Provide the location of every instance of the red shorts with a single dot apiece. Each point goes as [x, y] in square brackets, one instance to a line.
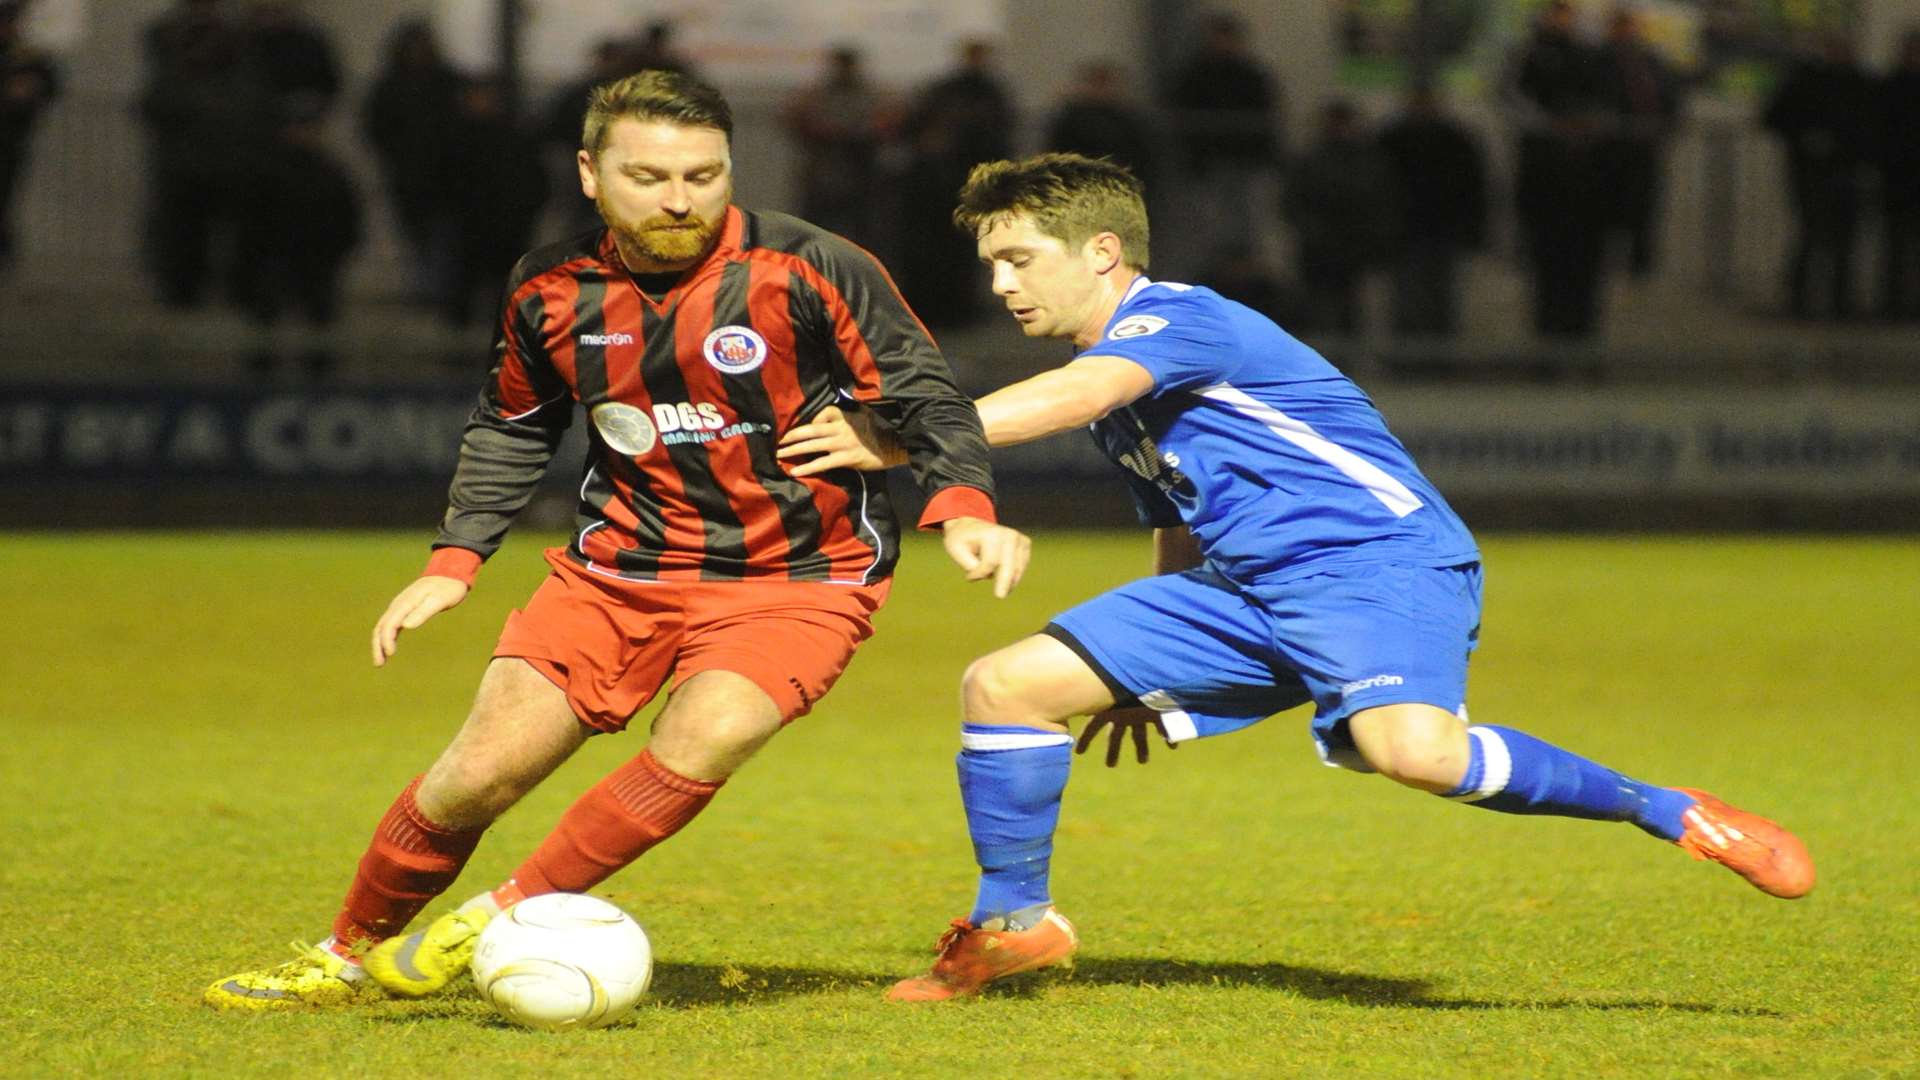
[611, 643]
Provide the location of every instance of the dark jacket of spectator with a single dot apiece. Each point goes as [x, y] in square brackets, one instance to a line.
[195, 106]
[1226, 104]
[408, 118]
[28, 82]
[1559, 95]
[299, 218]
[1440, 178]
[1340, 201]
[290, 64]
[1096, 120]
[1899, 135]
[1440, 191]
[499, 185]
[1899, 161]
[1824, 111]
[840, 125]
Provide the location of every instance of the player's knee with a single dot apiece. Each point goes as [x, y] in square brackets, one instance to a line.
[1424, 749]
[469, 793]
[990, 692]
[711, 745]
[736, 734]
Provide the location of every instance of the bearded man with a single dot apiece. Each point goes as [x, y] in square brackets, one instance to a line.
[694, 335]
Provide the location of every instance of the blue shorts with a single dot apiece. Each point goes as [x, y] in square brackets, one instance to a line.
[1212, 657]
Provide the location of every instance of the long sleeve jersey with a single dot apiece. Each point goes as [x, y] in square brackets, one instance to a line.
[687, 397]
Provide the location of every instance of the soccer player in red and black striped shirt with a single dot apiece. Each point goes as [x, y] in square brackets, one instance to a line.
[693, 334]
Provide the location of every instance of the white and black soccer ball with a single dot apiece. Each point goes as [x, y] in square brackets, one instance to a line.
[562, 961]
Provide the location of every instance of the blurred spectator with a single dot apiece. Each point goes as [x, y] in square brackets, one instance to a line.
[1440, 189]
[1238, 273]
[406, 119]
[1645, 99]
[1823, 110]
[498, 186]
[1900, 179]
[1557, 91]
[959, 121]
[194, 108]
[1339, 200]
[1226, 103]
[1097, 119]
[289, 64]
[299, 219]
[654, 50]
[969, 108]
[27, 83]
[613, 59]
[840, 124]
[1225, 113]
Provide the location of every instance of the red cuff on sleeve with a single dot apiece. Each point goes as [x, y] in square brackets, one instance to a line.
[956, 502]
[454, 562]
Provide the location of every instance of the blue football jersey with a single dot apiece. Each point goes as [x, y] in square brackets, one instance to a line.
[1279, 464]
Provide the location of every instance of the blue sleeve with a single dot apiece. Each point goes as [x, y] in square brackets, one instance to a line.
[1184, 341]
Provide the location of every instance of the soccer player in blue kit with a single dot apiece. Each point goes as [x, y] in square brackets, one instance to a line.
[1300, 556]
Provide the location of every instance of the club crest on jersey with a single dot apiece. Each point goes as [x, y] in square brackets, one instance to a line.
[735, 350]
[625, 428]
[1136, 326]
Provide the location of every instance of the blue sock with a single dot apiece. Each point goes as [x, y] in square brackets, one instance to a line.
[1515, 773]
[1011, 780]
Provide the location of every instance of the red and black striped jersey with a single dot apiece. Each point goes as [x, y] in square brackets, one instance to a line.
[687, 396]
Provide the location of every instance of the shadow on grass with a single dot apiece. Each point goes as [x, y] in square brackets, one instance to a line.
[675, 986]
[1357, 989]
[682, 986]
[697, 986]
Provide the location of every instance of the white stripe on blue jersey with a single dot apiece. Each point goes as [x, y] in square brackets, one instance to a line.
[1392, 493]
[1279, 464]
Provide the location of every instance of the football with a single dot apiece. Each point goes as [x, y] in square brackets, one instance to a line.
[563, 961]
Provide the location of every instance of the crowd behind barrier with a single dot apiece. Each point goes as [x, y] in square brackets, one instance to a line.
[246, 185]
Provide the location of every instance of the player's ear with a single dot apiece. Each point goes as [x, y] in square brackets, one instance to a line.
[1105, 250]
[589, 181]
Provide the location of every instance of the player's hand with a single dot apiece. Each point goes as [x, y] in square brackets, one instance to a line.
[985, 550]
[426, 597]
[1132, 722]
[841, 440]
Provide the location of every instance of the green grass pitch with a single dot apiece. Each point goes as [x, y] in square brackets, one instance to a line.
[194, 748]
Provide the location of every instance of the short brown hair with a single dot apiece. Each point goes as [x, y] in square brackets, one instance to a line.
[1067, 196]
[653, 95]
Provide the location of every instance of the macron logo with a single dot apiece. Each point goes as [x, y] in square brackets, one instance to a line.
[606, 339]
[1358, 685]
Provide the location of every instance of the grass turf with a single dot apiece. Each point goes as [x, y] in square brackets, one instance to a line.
[193, 749]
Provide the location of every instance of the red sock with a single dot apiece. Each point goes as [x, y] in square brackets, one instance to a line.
[410, 861]
[633, 808]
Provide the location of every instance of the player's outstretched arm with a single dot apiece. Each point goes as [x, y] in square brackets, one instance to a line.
[986, 550]
[838, 439]
[1053, 401]
[1062, 399]
[1121, 724]
[422, 600]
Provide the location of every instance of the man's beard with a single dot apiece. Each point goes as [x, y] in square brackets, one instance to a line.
[662, 239]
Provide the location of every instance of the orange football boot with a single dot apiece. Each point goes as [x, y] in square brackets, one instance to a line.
[971, 957]
[1772, 859]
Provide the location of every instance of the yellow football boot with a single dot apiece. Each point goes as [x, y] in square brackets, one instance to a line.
[316, 977]
[427, 960]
